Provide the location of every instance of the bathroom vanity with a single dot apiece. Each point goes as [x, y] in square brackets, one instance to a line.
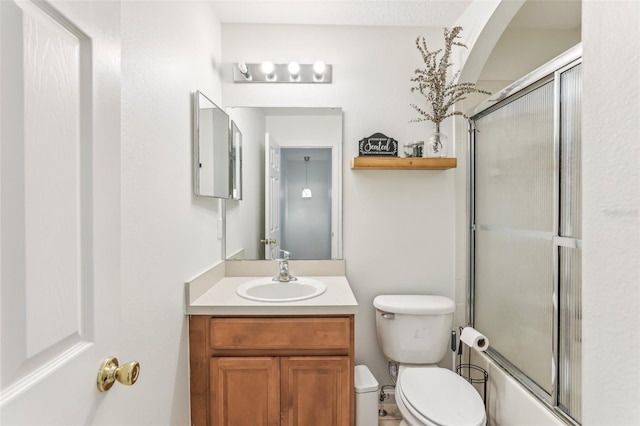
[264, 363]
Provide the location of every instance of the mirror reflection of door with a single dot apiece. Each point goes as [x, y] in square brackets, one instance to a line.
[272, 157]
[305, 202]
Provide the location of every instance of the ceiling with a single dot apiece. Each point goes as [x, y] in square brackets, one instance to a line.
[545, 14]
[430, 13]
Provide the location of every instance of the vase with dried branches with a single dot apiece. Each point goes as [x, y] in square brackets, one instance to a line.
[439, 92]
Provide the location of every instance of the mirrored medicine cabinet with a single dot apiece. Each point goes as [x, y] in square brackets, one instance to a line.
[217, 151]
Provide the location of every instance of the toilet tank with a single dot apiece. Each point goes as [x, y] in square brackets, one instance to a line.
[414, 329]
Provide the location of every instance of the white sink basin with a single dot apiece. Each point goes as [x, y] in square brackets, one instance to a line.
[267, 290]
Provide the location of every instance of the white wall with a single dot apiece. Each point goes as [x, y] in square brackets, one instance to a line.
[169, 49]
[521, 50]
[398, 225]
[306, 130]
[611, 206]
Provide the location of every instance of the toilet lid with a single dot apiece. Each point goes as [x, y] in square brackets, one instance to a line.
[442, 397]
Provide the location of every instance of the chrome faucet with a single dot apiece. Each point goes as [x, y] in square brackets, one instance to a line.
[283, 275]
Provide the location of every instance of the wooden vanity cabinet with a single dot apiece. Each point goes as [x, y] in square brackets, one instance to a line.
[272, 371]
[244, 391]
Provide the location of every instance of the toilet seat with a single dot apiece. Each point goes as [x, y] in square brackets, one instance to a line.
[441, 397]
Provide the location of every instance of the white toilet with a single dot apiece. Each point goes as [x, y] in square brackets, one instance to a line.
[414, 331]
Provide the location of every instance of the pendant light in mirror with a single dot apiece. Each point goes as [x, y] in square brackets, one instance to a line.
[306, 191]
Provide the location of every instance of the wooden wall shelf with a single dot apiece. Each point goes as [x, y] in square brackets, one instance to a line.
[396, 163]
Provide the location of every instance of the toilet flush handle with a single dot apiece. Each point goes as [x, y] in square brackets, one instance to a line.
[387, 315]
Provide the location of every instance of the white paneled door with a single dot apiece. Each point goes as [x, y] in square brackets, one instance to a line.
[59, 210]
[272, 197]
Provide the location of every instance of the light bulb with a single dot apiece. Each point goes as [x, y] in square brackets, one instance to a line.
[318, 70]
[244, 70]
[268, 69]
[294, 70]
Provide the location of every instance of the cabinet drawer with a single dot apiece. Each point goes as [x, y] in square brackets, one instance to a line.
[324, 335]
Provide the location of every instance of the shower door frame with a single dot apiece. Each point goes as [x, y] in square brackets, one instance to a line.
[549, 72]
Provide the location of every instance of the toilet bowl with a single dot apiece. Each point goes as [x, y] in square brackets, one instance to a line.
[414, 331]
[433, 396]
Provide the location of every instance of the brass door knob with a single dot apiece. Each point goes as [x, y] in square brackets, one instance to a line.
[110, 372]
[267, 241]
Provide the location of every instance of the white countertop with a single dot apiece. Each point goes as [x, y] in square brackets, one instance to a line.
[221, 299]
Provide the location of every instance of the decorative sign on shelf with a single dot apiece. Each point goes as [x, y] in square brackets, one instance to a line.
[378, 145]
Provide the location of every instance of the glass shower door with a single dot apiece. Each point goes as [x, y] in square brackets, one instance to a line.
[514, 204]
[527, 235]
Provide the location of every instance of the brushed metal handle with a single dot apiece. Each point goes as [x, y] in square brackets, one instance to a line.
[387, 315]
[109, 372]
[268, 241]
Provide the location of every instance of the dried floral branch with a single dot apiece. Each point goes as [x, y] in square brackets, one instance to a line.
[431, 81]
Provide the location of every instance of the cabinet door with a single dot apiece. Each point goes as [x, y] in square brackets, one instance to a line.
[244, 391]
[315, 391]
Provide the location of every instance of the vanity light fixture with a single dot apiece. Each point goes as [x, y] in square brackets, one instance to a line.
[293, 72]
